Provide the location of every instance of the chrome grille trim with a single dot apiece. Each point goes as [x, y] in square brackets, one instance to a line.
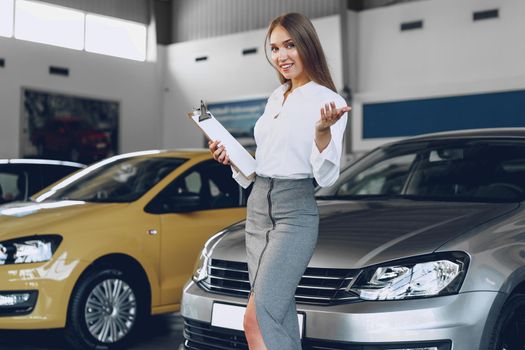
[210, 288]
[321, 286]
[227, 279]
[222, 268]
[329, 278]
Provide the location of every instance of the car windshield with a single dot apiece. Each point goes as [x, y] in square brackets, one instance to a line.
[468, 170]
[119, 180]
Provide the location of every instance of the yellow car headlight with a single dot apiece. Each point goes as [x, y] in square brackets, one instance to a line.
[28, 250]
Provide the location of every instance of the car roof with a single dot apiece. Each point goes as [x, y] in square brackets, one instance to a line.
[516, 133]
[42, 162]
[186, 153]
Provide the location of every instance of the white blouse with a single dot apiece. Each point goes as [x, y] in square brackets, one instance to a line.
[285, 134]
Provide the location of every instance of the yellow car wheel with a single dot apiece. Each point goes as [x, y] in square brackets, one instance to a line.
[106, 308]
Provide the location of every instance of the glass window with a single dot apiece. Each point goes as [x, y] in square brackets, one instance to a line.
[479, 170]
[206, 186]
[6, 17]
[13, 186]
[122, 180]
[49, 24]
[53, 173]
[448, 170]
[192, 183]
[116, 37]
[385, 177]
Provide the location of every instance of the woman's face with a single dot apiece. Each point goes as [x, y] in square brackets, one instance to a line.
[285, 57]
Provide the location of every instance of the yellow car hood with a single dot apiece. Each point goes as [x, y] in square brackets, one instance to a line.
[49, 217]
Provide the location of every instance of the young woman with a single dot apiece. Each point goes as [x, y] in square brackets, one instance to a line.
[299, 138]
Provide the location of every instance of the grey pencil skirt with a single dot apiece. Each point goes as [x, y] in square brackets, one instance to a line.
[281, 234]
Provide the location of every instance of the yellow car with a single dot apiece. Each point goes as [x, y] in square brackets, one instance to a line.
[113, 243]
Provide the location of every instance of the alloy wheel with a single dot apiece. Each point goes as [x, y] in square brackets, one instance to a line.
[111, 310]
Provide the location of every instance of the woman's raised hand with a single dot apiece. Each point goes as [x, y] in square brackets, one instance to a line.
[219, 152]
[330, 114]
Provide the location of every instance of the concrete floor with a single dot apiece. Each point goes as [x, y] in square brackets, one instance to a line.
[162, 332]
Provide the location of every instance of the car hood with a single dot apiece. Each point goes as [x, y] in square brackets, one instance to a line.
[354, 234]
[35, 218]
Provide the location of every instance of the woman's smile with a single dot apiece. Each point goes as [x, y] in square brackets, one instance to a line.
[286, 67]
[285, 57]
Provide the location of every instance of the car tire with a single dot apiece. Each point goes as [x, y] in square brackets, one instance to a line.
[96, 320]
[505, 333]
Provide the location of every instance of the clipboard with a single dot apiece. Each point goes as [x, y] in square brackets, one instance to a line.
[214, 130]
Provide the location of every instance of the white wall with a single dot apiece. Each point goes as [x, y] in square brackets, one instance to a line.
[451, 55]
[136, 85]
[352, 40]
[227, 75]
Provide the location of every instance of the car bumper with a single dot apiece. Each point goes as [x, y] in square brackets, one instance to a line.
[52, 282]
[453, 322]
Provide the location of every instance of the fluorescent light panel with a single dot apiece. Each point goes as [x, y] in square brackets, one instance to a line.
[49, 24]
[6, 18]
[115, 37]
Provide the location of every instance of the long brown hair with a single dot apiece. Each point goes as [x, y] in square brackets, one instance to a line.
[308, 46]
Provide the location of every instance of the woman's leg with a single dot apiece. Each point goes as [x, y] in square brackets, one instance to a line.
[251, 327]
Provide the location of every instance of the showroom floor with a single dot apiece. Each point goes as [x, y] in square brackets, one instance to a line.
[163, 332]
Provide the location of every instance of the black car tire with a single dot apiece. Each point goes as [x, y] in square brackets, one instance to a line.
[507, 333]
[77, 333]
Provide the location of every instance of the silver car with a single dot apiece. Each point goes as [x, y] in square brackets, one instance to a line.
[421, 246]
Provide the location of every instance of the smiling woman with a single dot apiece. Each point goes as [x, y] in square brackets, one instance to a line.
[299, 139]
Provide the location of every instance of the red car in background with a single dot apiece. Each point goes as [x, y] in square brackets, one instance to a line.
[72, 138]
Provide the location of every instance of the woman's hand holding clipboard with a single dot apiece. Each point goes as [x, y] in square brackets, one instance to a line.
[235, 155]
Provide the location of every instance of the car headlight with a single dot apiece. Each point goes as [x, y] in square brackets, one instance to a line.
[200, 272]
[420, 277]
[29, 249]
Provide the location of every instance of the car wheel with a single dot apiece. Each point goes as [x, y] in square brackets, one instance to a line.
[508, 331]
[105, 309]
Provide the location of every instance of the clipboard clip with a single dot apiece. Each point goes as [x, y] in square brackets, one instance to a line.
[204, 112]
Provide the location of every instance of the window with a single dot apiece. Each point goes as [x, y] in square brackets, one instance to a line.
[61, 26]
[49, 24]
[115, 37]
[385, 177]
[119, 180]
[6, 17]
[53, 173]
[446, 170]
[206, 186]
[13, 186]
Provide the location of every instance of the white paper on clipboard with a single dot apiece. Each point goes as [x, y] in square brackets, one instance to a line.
[214, 130]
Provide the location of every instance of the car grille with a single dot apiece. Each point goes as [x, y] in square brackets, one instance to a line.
[317, 286]
[202, 336]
